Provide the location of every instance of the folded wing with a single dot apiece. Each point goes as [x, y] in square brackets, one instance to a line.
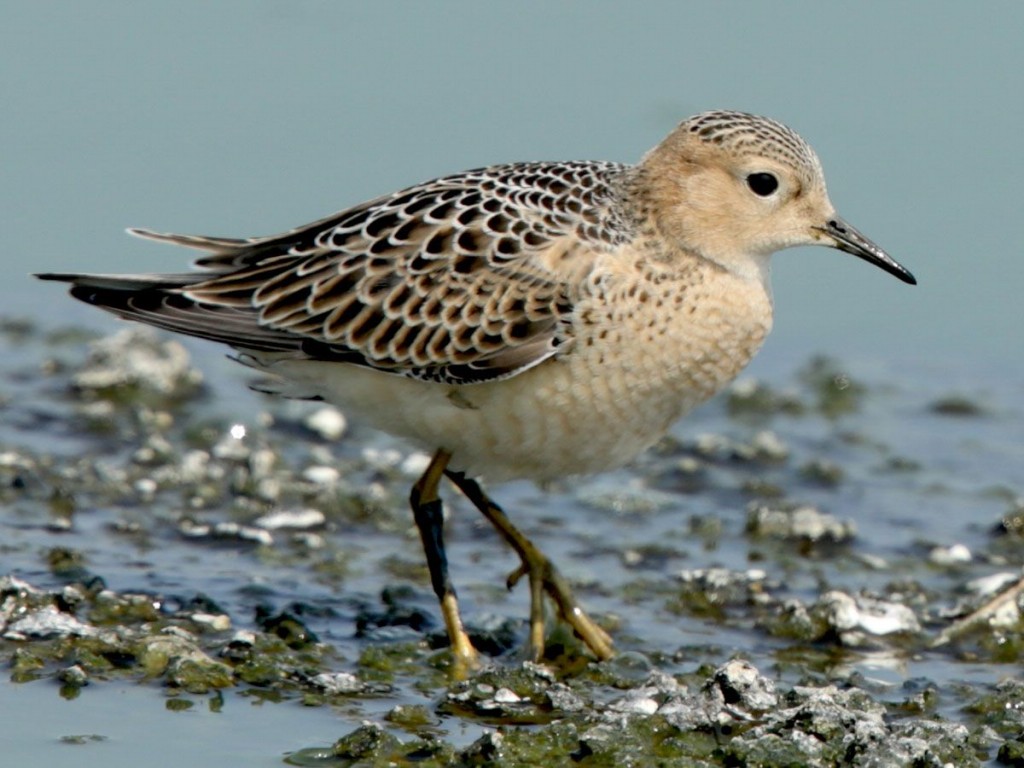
[462, 279]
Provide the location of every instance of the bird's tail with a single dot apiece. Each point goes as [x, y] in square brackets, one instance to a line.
[161, 300]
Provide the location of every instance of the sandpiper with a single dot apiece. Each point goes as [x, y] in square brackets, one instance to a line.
[529, 320]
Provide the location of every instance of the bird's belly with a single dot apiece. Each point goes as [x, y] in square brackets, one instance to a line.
[613, 394]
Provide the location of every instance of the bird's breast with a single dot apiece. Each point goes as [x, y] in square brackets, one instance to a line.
[644, 352]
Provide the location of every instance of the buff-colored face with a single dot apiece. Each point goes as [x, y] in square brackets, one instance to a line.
[735, 188]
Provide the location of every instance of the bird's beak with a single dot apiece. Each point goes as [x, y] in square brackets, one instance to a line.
[846, 238]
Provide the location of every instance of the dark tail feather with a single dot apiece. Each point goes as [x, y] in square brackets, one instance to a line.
[157, 300]
[129, 282]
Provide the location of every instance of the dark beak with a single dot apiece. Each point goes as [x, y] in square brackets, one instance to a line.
[846, 238]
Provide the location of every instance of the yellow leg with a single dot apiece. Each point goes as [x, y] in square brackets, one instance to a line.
[543, 577]
[429, 516]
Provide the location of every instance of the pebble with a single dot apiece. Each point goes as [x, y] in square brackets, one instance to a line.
[957, 554]
[796, 522]
[73, 675]
[506, 696]
[214, 622]
[295, 519]
[321, 475]
[338, 682]
[48, 622]
[415, 464]
[854, 617]
[137, 357]
[328, 422]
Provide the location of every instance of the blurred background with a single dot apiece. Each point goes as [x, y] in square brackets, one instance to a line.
[244, 118]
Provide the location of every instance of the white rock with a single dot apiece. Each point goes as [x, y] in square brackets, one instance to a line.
[297, 519]
[506, 696]
[328, 422]
[321, 475]
[956, 554]
[415, 464]
[215, 622]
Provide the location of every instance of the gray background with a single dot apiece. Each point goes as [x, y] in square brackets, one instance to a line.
[245, 118]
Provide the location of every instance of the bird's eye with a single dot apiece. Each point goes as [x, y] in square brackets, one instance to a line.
[762, 184]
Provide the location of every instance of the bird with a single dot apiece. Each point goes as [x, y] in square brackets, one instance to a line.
[533, 320]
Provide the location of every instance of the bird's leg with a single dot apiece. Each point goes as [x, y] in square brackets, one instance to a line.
[429, 516]
[543, 576]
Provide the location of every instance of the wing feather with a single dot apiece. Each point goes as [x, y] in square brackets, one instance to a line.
[463, 279]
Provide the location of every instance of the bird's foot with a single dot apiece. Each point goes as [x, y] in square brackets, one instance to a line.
[544, 577]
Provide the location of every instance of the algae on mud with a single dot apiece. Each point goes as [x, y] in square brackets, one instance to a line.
[797, 532]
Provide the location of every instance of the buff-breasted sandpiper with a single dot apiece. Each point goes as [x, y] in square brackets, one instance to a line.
[530, 320]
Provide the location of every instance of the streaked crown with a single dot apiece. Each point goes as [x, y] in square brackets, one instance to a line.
[744, 134]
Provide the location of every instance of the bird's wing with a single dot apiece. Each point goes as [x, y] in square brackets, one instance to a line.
[463, 279]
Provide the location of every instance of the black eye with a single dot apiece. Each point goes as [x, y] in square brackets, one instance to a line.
[762, 184]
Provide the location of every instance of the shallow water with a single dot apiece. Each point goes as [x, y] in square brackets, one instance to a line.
[907, 475]
[128, 724]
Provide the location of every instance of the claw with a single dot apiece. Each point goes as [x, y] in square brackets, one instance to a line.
[515, 576]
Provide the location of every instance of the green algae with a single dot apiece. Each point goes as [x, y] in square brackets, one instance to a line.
[957, 406]
[368, 648]
[835, 392]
